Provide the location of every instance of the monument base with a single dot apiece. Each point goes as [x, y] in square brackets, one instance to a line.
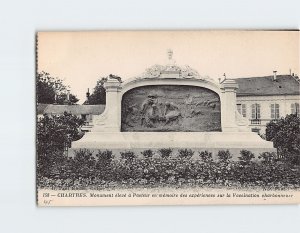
[198, 141]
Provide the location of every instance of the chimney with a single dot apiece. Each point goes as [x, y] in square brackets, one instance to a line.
[274, 75]
[55, 93]
[68, 96]
[88, 93]
[88, 96]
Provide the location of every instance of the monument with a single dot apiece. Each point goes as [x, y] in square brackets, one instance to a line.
[171, 106]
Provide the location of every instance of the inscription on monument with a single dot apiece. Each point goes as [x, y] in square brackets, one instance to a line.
[171, 108]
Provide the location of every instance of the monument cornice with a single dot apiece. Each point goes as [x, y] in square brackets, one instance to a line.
[112, 85]
[137, 82]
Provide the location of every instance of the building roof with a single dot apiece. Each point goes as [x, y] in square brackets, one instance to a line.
[73, 109]
[41, 108]
[262, 86]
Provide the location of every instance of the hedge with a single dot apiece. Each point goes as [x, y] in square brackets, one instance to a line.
[86, 171]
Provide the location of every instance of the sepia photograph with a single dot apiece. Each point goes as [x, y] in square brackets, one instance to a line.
[150, 116]
[167, 117]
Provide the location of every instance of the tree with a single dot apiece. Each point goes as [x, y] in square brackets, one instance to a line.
[54, 134]
[62, 99]
[285, 134]
[46, 88]
[99, 94]
[57, 131]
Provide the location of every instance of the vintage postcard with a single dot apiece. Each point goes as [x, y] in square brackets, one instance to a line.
[167, 118]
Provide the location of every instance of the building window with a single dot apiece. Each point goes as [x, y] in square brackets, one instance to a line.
[275, 111]
[295, 108]
[255, 111]
[242, 109]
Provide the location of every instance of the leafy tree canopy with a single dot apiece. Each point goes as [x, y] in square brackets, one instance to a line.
[285, 133]
[47, 86]
[56, 131]
[99, 94]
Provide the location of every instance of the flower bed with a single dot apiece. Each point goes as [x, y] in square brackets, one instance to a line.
[103, 171]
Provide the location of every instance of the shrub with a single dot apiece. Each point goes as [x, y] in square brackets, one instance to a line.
[246, 157]
[104, 157]
[293, 159]
[47, 163]
[82, 155]
[84, 163]
[206, 156]
[224, 156]
[165, 152]
[147, 153]
[128, 155]
[56, 132]
[185, 153]
[102, 171]
[267, 157]
[285, 134]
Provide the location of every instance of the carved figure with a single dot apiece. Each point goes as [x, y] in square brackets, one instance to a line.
[149, 109]
[111, 76]
[196, 112]
[188, 101]
[171, 112]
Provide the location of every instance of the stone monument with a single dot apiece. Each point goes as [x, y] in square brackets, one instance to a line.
[171, 106]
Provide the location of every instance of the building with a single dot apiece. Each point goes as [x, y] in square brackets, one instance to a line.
[262, 99]
[84, 112]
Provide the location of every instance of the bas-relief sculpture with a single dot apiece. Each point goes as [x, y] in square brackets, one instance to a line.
[170, 108]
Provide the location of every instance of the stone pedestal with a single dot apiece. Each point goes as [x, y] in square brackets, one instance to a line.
[142, 140]
[110, 120]
[228, 108]
[198, 141]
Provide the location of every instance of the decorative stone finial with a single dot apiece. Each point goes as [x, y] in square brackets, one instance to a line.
[171, 63]
[170, 70]
[170, 54]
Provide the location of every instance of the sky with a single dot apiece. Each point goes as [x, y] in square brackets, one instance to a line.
[81, 58]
